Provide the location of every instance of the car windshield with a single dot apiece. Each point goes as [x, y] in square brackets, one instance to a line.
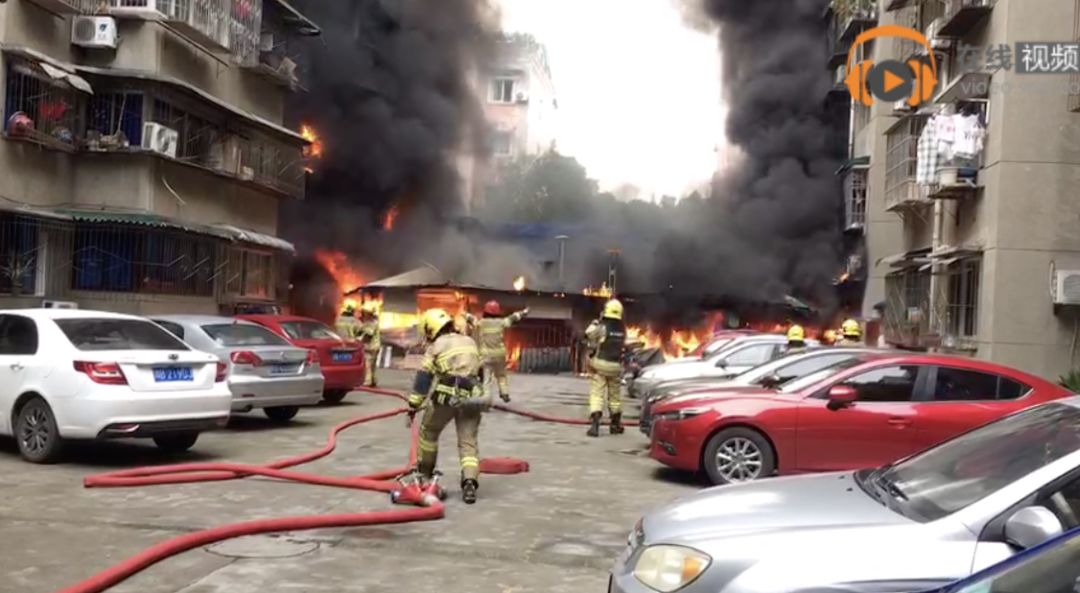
[243, 334]
[813, 378]
[713, 347]
[791, 367]
[1053, 570]
[964, 470]
[92, 334]
[308, 330]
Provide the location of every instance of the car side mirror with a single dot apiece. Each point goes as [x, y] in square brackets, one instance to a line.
[771, 381]
[721, 364]
[1031, 526]
[841, 396]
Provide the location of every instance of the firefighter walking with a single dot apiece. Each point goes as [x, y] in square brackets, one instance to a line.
[450, 377]
[850, 334]
[607, 340]
[490, 334]
[369, 335]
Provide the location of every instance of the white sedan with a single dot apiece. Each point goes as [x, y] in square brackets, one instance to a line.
[71, 374]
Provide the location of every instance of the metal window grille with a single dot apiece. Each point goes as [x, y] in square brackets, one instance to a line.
[963, 299]
[855, 198]
[21, 255]
[48, 108]
[117, 258]
[114, 120]
[198, 136]
[272, 163]
[918, 17]
[250, 274]
[245, 30]
[907, 317]
[901, 161]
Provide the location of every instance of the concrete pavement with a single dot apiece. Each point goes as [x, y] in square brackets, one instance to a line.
[556, 528]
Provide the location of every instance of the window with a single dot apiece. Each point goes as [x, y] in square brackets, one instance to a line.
[243, 334]
[18, 336]
[855, 197]
[809, 365]
[19, 254]
[901, 160]
[963, 303]
[954, 384]
[198, 135]
[114, 121]
[502, 143]
[749, 356]
[308, 330]
[153, 261]
[889, 384]
[1055, 570]
[251, 274]
[502, 90]
[47, 107]
[96, 334]
[174, 328]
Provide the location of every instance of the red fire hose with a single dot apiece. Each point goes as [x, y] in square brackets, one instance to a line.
[209, 472]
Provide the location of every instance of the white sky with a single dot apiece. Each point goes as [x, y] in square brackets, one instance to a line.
[639, 92]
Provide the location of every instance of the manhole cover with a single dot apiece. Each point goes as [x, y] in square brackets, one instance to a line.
[262, 546]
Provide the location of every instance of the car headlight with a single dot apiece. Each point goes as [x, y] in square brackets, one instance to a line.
[670, 568]
[681, 414]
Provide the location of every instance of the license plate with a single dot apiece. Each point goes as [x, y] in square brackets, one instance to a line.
[343, 357]
[173, 374]
[282, 369]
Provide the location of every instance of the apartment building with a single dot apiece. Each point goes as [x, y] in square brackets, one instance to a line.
[143, 155]
[521, 107]
[983, 263]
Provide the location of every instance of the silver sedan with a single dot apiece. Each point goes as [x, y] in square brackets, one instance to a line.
[265, 371]
[925, 521]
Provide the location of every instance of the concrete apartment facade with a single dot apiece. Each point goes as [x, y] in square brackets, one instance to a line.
[520, 105]
[980, 270]
[147, 177]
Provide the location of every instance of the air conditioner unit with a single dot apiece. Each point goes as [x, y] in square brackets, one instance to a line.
[145, 9]
[1067, 287]
[59, 305]
[522, 98]
[160, 139]
[95, 32]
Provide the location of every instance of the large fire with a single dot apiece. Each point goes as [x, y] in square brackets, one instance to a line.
[390, 217]
[513, 356]
[314, 150]
[519, 283]
[678, 343]
[603, 291]
[337, 263]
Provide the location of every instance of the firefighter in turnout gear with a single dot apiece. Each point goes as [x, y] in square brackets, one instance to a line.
[796, 339]
[607, 342]
[850, 334]
[450, 376]
[490, 335]
[369, 336]
[346, 325]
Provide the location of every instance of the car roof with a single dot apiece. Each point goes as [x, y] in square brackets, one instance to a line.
[200, 319]
[276, 318]
[889, 357]
[68, 314]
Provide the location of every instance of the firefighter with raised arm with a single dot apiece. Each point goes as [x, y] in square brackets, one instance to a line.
[490, 333]
[450, 376]
[369, 335]
[607, 341]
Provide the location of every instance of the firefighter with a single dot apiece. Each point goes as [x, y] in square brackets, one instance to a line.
[450, 374]
[490, 331]
[346, 324]
[796, 339]
[368, 335]
[850, 334]
[607, 341]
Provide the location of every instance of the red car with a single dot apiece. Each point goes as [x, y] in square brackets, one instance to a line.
[863, 412]
[341, 360]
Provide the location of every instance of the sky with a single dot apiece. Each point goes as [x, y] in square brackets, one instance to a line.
[639, 92]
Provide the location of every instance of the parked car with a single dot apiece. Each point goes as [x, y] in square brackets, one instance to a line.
[771, 375]
[73, 374]
[651, 357]
[341, 360]
[265, 371]
[934, 517]
[867, 411]
[740, 354]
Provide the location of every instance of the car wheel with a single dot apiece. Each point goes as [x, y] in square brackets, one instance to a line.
[334, 396]
[282, 413]
[38, 438]
[176, 443]
[736, 455]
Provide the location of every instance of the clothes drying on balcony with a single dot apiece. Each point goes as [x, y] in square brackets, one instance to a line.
[949, 140]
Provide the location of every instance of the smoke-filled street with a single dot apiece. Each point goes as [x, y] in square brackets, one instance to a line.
[556, 528]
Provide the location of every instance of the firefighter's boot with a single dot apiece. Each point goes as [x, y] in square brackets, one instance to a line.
[468, 491]
[616, 424]
[594, 428]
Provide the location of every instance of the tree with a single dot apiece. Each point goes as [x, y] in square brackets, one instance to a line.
[547, 188]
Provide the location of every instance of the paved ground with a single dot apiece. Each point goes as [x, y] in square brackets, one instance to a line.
[555, 529]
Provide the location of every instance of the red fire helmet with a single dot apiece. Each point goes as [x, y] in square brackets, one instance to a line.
[492, 308]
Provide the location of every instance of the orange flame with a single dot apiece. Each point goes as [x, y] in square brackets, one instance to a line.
[603, 291]
[519, 283]
[337, 263]
[390, 217]
[513, 356]
[314, 150]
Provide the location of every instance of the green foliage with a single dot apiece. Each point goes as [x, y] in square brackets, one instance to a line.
[1071, 381]
[548, 188]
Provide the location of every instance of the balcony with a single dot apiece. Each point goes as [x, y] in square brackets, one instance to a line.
[64, 7]
[902, 193]
[219, 26]
[961, 16]
[852, 17]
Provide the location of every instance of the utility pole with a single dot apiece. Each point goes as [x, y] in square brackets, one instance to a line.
[613, 270]
[562, 261]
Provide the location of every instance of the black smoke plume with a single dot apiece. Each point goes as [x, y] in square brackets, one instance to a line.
[772, 226]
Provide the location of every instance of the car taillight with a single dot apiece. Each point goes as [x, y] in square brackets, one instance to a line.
[245, 357]
[312, 357]
[222, 373]
[104, 373]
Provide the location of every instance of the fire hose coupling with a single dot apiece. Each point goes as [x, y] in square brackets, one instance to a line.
[415, 492]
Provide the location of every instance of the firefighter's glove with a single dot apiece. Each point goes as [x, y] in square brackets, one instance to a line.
[525, 312]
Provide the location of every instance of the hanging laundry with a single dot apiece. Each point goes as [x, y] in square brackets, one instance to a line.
[970, 133]
[927, 155]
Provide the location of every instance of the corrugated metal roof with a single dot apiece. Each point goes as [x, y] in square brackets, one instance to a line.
[147, 219]
[246, 236]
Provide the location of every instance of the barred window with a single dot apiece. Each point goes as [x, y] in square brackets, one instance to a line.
[115, 120]
[38, 108]
[119, 259]
[20, 254]
[963, 302]
[250, 274]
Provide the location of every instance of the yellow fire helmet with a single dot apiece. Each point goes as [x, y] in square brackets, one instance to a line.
[851, 329]
[613, 309]
[433, 321]
[348, 309]
[796, 334]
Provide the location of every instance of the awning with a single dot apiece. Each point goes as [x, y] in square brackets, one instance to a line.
[294, 18]
[950, 255]
[861, 162]
[190, 88]
[905, 260]
[54, 69]
[20, 209]
[246, 236]
[146, 219]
